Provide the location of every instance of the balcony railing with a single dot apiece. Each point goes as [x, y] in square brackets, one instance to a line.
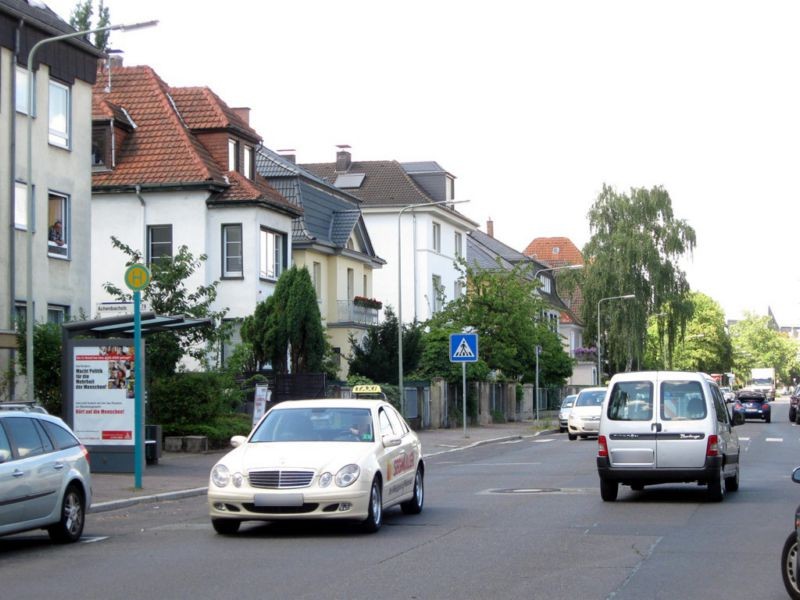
[351, 313]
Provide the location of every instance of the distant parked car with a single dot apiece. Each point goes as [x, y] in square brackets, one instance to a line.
[752, 404]
[728, 394]
[45, 481]
[563, 414]
[794, 400]
[584, 418]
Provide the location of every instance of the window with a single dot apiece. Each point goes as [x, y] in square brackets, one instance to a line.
[100, 135]
[20, 205]
[235, 339]
[437, 237]
[458, 289]
[272, 254]
[386, 426]
[364, 286]
[159, 242]
[316, 276]
[631, 401]
[59, 435]
[5, 447]
[351, 290]
[545, 283]
[248, 162]
[233, 155]
[20, 312]
[22, 90]
[58, 225]
[457, 243]
[59, 115]
[449, 188]
[232, 251]
[438, 293]
[682, 400]
[57, 314]
[26, 436]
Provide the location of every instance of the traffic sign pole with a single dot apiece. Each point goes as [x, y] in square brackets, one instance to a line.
[464, 349]
[464, 395]
[137, 277]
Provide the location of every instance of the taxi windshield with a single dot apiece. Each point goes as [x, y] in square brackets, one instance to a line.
[316, 425]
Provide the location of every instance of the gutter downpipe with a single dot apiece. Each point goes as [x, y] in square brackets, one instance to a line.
[12, 190]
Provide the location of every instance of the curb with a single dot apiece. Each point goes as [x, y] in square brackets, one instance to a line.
[127, 502]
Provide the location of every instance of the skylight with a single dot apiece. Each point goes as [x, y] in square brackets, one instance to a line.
[349, 180]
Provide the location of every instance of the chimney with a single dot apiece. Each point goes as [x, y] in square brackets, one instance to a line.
[116, 60]
[343, 158]
[289, 154]
[243, 112]
[490, 228]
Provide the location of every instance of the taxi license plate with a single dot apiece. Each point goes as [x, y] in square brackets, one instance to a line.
[278, 499]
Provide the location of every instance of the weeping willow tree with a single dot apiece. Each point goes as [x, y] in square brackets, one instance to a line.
[635, 248]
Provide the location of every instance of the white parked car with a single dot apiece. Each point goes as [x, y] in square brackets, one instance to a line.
[584, 418]
[563, 413]
[319, 459]
[45, 482]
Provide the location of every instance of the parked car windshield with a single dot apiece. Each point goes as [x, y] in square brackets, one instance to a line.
[316, 425]
[590, 398]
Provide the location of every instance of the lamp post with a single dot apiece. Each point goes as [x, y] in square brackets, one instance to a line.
[599, 349]
[410, 208]
[562, 267]
[29, 314]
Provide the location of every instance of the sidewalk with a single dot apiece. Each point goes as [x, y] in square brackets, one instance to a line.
[181, 475]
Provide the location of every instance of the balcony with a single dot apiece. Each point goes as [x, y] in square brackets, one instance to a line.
[350, 312]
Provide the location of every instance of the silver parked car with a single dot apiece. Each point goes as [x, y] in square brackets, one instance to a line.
[563, 414]
[45, 481]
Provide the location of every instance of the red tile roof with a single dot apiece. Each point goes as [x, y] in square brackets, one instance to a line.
[555, 251]
[162, 149]
[201, 108]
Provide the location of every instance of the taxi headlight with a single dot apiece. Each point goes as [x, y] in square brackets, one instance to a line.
[347, 475]
[325, 479]
[220, 475]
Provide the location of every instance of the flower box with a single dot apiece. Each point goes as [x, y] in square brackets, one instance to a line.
[367, 302]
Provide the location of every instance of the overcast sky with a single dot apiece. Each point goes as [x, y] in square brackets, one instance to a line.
[531, 105]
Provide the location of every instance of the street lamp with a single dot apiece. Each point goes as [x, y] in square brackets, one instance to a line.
[599, 349]
[29, 315]
[410, 208]
[562, 267]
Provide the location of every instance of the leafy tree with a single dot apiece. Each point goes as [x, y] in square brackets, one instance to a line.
[635, 248]
[81, 20]
[705, 345]
[756, 344]
[503, 307]
[46, 363]
[167, 295]
[375, 356]
[288, 324]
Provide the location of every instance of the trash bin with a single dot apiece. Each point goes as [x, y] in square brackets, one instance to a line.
[152, 444]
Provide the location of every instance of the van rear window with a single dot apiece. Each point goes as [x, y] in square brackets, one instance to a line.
[682, 401]
[631, 401]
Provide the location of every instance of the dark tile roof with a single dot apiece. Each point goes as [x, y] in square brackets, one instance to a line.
[386, 182]
[43, 16]
[486, 252]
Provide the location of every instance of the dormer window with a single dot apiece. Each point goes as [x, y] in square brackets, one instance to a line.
[233, 155]
[248, 162]
[100, 146]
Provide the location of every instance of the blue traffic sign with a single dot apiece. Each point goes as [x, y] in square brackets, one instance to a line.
[463, 347]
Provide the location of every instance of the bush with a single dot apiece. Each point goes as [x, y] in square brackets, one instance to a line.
[192, 398]
[219, 432]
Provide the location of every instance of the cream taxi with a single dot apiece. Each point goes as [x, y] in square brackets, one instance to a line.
[319, 459]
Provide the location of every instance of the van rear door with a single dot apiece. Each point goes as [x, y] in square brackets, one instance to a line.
[630, 431]
[685, 421]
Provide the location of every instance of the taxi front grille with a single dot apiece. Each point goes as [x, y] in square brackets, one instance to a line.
[278, 479]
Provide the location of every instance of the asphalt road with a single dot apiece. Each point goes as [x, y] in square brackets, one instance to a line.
[512, 520]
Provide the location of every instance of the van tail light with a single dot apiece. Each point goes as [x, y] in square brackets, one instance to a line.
[712, 449]
[86, 454]
[602, 446]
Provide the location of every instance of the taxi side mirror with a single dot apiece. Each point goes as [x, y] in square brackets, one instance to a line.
[389, 441]
[238, 440]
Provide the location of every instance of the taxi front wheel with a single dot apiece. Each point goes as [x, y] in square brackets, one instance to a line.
[374, 518]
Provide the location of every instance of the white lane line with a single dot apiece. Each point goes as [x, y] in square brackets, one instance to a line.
[744, 439]
[519, 464]
[773, 440]
[512, 442]
[91, 540]
[543, 441]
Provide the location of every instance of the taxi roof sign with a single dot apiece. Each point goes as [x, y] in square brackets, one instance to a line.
[368, 390]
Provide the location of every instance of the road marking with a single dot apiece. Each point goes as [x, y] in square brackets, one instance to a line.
[516, 464]
[543, 441]
[91, 540]
[511, 442]
[773, 440]
[744, 439]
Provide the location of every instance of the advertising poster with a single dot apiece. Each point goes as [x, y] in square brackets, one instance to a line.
[260, 404]
[103, 396]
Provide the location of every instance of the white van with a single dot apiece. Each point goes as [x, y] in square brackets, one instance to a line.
[666, 427]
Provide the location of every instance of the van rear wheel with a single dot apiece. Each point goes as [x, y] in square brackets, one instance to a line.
[715, 487]
[608, 489]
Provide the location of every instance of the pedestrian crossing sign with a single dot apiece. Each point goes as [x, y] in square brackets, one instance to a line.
[463, 347]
